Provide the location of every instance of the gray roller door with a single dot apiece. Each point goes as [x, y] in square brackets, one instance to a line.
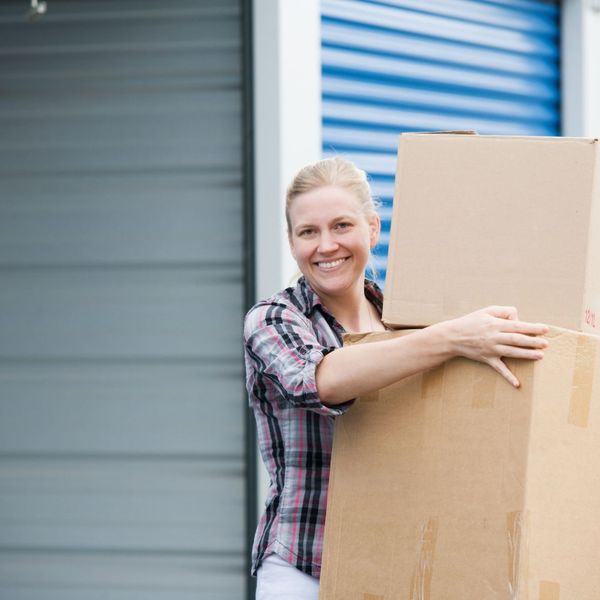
[122, 411]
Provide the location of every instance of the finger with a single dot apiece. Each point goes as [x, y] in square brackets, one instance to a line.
[503, 312]
[522, 340]
[500, 367]
[525, 327]
[516, 352]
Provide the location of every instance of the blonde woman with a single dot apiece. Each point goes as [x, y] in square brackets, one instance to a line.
[299, 378]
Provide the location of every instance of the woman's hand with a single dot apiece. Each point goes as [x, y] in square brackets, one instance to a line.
[489, 334]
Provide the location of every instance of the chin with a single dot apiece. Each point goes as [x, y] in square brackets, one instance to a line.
[332, 288]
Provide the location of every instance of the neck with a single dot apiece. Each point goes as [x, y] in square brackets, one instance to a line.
[352, 309]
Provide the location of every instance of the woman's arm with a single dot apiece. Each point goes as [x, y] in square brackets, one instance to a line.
[486, 336]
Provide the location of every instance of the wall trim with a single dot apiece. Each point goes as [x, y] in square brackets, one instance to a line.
[287, 126]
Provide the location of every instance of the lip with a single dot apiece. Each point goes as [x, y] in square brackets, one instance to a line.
[320, 263]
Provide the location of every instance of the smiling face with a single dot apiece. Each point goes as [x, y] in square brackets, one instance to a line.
[330, 239]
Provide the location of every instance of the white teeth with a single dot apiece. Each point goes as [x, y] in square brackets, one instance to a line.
[333, 263]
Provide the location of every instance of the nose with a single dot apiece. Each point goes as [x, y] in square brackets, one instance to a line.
[327, 243]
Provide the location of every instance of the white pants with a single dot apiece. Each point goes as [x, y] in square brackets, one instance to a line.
[278, 580]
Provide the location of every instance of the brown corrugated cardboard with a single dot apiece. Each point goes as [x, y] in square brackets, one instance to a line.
[482, 220]
[453, 485]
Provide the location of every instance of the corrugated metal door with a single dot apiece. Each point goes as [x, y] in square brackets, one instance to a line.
[122, 410]
[405, 65]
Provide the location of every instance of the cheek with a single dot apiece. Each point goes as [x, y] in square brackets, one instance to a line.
[298, 250]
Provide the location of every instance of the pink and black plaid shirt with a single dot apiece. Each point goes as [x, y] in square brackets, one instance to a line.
[286, 337]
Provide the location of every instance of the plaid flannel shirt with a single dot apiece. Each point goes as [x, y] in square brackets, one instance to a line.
[286, 337]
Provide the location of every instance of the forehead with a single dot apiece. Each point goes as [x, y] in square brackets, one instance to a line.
[324, 204]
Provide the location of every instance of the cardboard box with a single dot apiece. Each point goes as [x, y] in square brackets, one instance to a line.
[481, 220]
[453, 485]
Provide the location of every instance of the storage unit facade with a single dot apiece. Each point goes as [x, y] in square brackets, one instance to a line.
[141, 212]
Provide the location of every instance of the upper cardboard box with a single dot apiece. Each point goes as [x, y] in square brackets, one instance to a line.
[481, 220]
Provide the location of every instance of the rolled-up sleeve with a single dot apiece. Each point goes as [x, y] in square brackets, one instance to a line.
[284, 352]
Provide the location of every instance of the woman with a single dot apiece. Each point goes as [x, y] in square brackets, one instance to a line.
[299, 377]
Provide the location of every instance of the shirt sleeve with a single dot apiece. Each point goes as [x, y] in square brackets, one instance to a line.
[282, 348]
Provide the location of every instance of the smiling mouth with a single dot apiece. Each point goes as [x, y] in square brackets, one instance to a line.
[331, 264]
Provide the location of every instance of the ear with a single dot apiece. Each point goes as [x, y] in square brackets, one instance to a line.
[374, 230]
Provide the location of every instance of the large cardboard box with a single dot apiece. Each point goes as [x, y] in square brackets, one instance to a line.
[480, 220]
[453, 485]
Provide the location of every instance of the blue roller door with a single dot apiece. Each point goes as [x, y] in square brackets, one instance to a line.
[402, 65]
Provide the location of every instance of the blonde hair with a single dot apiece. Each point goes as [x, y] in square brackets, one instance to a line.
[333, 171]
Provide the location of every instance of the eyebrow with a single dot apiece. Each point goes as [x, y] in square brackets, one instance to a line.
[336, 220]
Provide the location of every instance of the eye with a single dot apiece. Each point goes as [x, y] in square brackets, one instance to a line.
[343, 225]
[306, 232]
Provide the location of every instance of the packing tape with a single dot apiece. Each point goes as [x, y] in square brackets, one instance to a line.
[581, 394]
[514, 532]
[432, 382]
[484, 388]
[372, 397]
[549, 590]
[354, 338]
[420, 588]
[430, 408]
